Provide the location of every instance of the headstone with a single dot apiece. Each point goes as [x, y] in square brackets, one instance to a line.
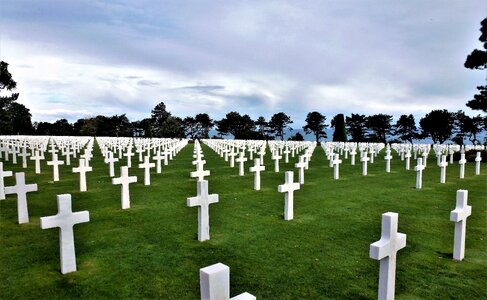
[82, 169]
[364, 159]
[336, 167]
[200, 173]
[288, 188]
[55, 163]
[385, 250]
[3, 174]
[37, 158]
[276, 157]
[388, 158]
[300, 165]
[408, 160]
[129, 155]
[21, 189]
[215, 284]
[241, 161]
[286, 155]
[257, 168]
[24, 156]
[203, 201]
[462, 163]
[352, 156]
[158, 158]
[65, 219]
[125, 180]
[443, 164]
[478, 159]
[459, 215]
[419, 173]
[110, 160]
[147, 166]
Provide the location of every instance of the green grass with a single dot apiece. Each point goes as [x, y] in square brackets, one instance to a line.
[151, 250]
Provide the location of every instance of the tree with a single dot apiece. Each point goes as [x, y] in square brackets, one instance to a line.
[190, 127]
[20, 119]
[297, 137]
[379, 126]
[262, 127]
[315, 123]
[466, 126]
[278, 123]
[61, 127]
[158, 116]
[205, 124]
[7, 83]
[340, 132]
[241, 127]
[478, 60]
[356, 127]
[406, 128]
[172, 127]
[438, 124]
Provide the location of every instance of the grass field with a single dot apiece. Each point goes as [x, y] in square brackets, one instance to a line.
[151, 250]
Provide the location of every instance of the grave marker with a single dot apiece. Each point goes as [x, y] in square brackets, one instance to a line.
[21, 189]
[459, 215]
[125, 181]
[257, 168]
[215, 284]
[82, 169]
[3, 174]
[288, 188]
[203, 201]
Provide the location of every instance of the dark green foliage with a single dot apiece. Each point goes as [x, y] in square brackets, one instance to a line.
[315, 123]
[172, 127]
[406, 128]
[467, 127]
[297, 137]
[340, 132]
[205, 124]
[478, 60]
[356, 125]
[278, 123]
[241, 127]
[379, 127]
[438, 124]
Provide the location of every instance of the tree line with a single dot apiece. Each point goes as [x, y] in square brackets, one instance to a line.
[439, 125]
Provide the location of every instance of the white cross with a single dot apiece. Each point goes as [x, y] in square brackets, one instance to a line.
[261, 154]
[372, 155]
[55, 163]
[459, 215]
[125, 180]
[65, 219]
[443, 164]
[215, 284]
[257, 168]
[388, 158]
[110, 160]
[200, 173]
[419, 173]
[87, 157]
[364, 161]
[232, 155]
[288, 188]
[37, 158]
[203, 201]
[147, 166]
[300, 165]
[408, 160]
[286, 155]
[385, 250]
[158, 158]
[352, 157]
[129, 155]
[462, 163]
[24, 155]
[68, 155]
[241, 160]
[336, 166]
[3, 174]
[82, 169]
[21, 189]
[478, 159]
[276, 157]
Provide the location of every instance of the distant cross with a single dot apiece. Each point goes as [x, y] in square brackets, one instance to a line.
[21, 189]
[372, 155]
[3, 174]
[24, 155]
[215, 284]
[110, 160]
[276, 157]
[129, 155]
[158, 158]
[257, 168]
[14, 154]
[65, 219]
[200, 173]
[140, 151]
[147, 165]
[68, 155]
[364, 161]
[443, 164]
[408, 160]
[388, 158]
[241, 160]
[300, 165]
[87, 157]
[462, 163]
[232, 155]
[385, 250]
[425, 158]
[459, 215]
[125, 180]
[286, 154]
[419, 173]
[203, 201]
[288, 188]
[336, 166]
[478, 159]
[261, 154]
[82, 169]
[352, 156]
[55, 163]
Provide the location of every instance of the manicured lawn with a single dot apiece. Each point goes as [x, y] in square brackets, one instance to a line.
[151, 250]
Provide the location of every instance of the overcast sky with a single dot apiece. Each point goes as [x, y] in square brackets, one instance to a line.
[74, 59]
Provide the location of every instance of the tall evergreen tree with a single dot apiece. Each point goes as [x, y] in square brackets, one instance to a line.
[478, 60]
[340, 132]
[356, 127]
[315, 123]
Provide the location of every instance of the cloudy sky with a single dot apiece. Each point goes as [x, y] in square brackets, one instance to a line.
[74, 59]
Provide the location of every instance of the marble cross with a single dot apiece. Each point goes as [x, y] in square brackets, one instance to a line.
[111, 160]
[241, 160]
[125, 180]
[147, 166]
[82, 169]
[300, 165]
[443, 164]
[158, 158]
[407, 155]
[462, 163]
[364, 160]
[336, 166]
[3, 174]
[459, 215]
[129, 155]
[276, 157]
[37, 158]
[388, 158]
[24, 155]
[385, 250]
[215, 284]
[203, 201]
[200, 173]
[55, 163]
[257, 168]
[352, 156]
[21, 189]
[288, 188]
[65, 219]
[478, 159]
